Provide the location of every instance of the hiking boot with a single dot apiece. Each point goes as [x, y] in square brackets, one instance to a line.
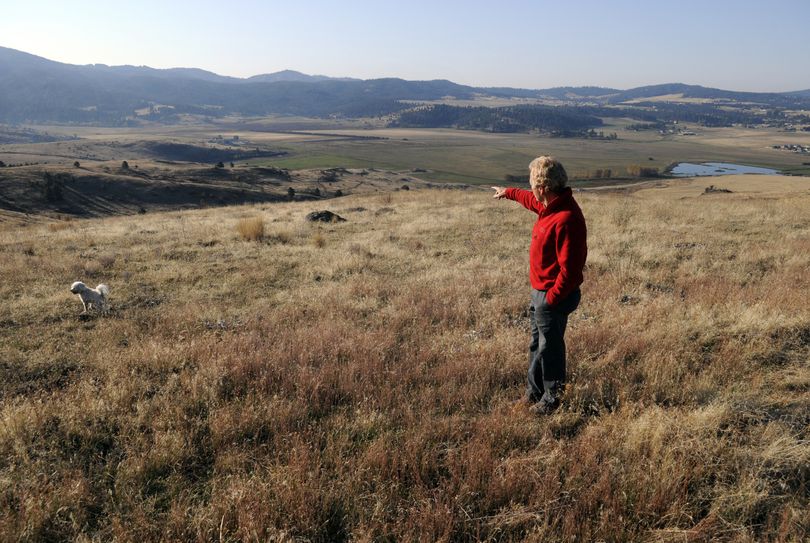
[547, 405]
[523, 404]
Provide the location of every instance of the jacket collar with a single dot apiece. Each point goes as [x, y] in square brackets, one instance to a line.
[560, 201]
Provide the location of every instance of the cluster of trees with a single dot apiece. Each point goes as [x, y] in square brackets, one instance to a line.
[636, 170]
[600, 173]
[708, 114]
[656, 115]
[11, 165]
[593, 134]
[529, 118]
[281, 173]
[658, 125]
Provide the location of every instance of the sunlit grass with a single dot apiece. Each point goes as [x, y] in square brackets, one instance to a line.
[354, 381]
[251, 228]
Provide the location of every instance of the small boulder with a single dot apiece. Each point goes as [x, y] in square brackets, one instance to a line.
[324, 216]
[711, 189]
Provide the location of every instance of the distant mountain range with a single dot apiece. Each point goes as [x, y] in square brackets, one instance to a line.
[292, 75]
[35, 89]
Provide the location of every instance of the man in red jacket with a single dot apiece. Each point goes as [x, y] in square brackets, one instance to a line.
[556, 258]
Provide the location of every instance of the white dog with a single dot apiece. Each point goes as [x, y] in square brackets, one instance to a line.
[95, 298]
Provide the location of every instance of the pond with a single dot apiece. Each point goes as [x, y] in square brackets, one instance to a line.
[688, 169]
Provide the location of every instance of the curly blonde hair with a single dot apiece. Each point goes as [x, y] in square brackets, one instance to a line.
[548, 172]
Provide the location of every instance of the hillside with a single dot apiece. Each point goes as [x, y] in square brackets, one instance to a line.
[354, 380]
[37, 90]
[697, 91]
[293, 75]
[35, 193]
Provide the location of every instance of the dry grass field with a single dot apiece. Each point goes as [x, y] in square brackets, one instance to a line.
[353, 381]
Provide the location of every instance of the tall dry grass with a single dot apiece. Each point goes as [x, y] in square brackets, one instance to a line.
[251, 228]
[360, 388]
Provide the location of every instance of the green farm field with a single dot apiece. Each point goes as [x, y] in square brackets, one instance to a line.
[477, 157]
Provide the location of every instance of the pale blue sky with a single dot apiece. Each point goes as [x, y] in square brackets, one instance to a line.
[738, 45]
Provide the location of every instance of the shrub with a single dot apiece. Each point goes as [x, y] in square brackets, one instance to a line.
[251, 229]
[284, 237]
[106, 262]
[328, 176]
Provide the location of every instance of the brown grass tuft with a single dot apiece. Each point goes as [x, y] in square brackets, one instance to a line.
[251, 228]
[59, 226]
[281, 236]
[318, 240]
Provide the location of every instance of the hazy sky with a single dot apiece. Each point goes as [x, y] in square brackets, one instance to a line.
[738, 45]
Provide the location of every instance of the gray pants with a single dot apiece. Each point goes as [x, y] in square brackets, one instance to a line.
[547, 349]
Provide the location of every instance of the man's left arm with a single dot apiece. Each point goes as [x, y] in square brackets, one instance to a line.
[572, 251]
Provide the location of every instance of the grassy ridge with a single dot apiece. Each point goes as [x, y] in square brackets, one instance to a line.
[353, 381]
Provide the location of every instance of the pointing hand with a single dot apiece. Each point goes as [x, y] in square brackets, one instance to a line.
[500, 192]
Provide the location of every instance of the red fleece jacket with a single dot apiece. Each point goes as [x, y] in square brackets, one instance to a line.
[559, 243]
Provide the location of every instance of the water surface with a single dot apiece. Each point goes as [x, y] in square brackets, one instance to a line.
[688, 169]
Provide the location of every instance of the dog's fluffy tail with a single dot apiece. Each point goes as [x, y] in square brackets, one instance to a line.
[104, 290]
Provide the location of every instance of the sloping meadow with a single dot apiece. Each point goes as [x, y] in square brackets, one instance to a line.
[355, 380]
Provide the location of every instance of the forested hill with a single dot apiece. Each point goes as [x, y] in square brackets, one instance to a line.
[34, 89]
[697, 91]
[553, 120]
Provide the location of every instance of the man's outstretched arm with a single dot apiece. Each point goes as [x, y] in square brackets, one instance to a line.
[523, 197]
